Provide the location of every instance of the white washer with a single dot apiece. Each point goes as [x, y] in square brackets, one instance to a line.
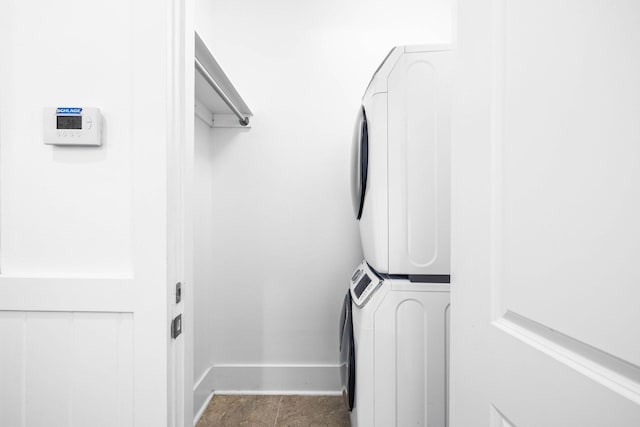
[399, 368]
[401, 158]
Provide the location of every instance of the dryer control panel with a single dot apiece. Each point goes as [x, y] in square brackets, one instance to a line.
[364, 282]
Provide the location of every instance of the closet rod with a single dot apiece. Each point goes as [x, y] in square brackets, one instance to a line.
[244, 120]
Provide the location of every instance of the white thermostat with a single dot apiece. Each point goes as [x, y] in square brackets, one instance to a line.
[72, 126]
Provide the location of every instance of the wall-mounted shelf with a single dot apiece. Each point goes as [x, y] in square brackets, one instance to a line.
[217, 102]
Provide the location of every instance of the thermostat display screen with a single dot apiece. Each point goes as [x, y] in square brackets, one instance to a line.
[69, 122]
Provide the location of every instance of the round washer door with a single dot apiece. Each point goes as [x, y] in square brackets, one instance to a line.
[347, 354]
[359, 163]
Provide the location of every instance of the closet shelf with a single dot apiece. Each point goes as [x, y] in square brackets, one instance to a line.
[217, 102]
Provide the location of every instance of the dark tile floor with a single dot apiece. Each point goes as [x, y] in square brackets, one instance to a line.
[272, 411]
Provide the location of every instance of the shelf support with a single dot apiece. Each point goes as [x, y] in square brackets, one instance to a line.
[243, 119]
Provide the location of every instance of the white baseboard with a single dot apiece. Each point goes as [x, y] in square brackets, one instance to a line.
[202, 409]
[276, 393]
[276, 379]
[202, 394]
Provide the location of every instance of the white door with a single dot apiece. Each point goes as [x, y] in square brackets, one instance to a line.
[545, 294]
[91, 242]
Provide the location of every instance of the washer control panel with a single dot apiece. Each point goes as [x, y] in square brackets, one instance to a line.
[72, 126]
[364, 282]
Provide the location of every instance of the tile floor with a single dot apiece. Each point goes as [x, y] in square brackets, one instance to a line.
[272, 411]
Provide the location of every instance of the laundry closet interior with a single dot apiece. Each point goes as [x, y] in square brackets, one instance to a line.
[275, 237]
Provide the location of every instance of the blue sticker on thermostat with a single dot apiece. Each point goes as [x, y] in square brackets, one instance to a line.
[69, 110]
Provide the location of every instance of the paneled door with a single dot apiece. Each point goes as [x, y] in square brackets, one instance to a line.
[94, 239]
[545, 292]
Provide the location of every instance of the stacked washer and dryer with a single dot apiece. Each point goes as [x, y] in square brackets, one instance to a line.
[394, 325]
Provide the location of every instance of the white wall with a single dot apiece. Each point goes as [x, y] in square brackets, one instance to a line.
[279, 240]
[204, 269]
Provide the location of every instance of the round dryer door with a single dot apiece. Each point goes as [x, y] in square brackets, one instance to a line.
[347, 353]
[359, 163]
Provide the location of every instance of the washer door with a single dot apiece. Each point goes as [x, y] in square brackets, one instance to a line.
[347, 354]
[359, 163]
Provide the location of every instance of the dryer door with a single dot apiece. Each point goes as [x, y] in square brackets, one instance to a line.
[347, 353]
[359, 163]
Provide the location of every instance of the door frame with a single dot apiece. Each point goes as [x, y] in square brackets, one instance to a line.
[180, 164]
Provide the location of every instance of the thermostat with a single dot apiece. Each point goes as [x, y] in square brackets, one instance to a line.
[72, 126]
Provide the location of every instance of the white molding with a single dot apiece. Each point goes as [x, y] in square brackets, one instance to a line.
[202, 392]
[276, 393]
[611, 372]
[179, 146]
[202, 409]
[71, 294]
[497, 418]
[204, 380]
[187, 221]
[277, 379]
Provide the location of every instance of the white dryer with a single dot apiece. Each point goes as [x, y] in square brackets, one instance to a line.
[401, 158]
[394, 336]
